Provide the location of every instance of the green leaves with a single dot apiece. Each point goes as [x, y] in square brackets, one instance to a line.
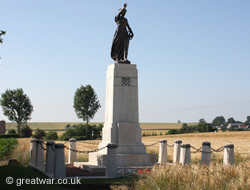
[6, 146]
[2, 33]
[16, 106]
[86, 102]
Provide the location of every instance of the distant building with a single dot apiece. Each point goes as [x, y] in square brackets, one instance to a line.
[222, 127]
[2, 127]
[236, 125]
[244, 126]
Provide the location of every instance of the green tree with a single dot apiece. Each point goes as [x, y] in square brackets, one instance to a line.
[2, 33]
[25, 131]
[202, 120]
[218, 121]
[51, 135]
[39, 134]
[247, 122]
[16, 106]
[86, 104]
[230, 120]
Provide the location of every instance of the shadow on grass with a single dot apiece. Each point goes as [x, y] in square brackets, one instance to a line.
[27, 178]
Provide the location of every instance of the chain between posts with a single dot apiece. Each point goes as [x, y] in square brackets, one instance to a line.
[205, 152]
[219, 149]
[152, 144]
[157, 143]
[42, 146]
[85, 152]
[170, 145]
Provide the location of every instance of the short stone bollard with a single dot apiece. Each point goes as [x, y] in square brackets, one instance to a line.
[228, 154]
[206, 153]
[72, 154]
[59, 162]
[32, 152]
[50, 157]
[163, 154]
[111, 165]
[185, 157]
[177, 151]
[39, 161]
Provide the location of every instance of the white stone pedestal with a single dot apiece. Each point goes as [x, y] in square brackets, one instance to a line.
[121, 125]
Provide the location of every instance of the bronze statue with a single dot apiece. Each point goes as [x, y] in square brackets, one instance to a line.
[119, 50]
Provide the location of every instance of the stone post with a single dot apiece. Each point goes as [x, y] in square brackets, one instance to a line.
[72, 154]
[111, 166]
[206, 153]
[177, 151]
[39, 163]
[50, 156]
[59, 161]
[32, 152]
[185, 157]
[163, 155]
[228, 154]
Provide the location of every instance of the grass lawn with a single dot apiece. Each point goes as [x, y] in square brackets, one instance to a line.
[18, 172]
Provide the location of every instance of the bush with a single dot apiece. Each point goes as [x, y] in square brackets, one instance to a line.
[39, 134]
[80, 131]
[25, 131]
[6, 146]
[52, 135]
[172, 132]
[12, 131]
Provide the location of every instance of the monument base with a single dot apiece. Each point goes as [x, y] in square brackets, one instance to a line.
[124, 160]
[121, 125]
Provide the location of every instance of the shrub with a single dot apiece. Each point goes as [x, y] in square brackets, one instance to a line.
[12, 131]
[39, 134]
[144, 134]
[80, 131]
[6, 146]
[172, 131]
[25, 131]
[52, 135]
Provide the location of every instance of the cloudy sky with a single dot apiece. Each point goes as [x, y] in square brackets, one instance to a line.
[193, 56]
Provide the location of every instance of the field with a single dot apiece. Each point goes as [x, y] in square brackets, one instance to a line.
[59, 127]
[194, 176]
[239, 139]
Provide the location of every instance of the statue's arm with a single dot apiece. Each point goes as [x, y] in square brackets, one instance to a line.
[131, 34]
[122, 11]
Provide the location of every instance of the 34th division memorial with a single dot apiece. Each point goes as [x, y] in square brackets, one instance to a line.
[121, 125]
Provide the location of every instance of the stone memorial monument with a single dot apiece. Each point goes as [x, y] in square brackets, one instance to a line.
[121, 125]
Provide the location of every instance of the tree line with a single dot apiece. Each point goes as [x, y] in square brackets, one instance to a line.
[18, 108]
[199, 128]
[220, 120]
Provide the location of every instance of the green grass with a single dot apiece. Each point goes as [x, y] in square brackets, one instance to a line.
[18, 171]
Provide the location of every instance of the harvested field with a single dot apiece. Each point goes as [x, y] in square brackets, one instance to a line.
[240, 140]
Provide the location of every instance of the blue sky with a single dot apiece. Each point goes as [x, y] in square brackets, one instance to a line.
[193, 56]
